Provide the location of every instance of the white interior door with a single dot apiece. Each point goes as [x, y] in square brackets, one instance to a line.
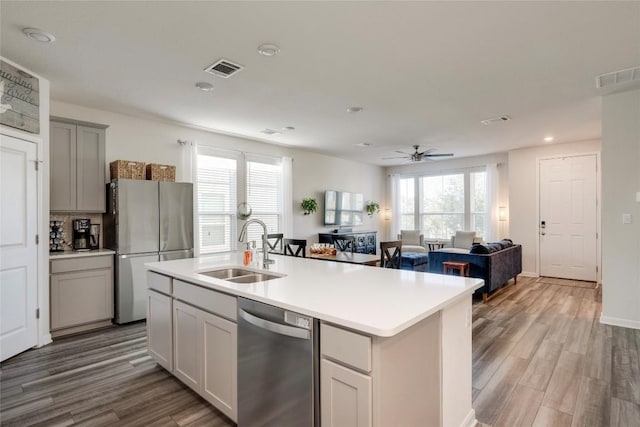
[18, 250]
[568, 217]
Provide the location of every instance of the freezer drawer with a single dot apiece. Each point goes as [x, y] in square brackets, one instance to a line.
[131, 286]
[176, 216]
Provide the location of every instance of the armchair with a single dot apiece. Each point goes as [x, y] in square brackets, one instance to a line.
[412, 241]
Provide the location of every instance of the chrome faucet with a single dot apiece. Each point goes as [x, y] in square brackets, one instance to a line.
[265, 244]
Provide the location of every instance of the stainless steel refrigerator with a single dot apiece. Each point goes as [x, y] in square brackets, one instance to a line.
[146, 221]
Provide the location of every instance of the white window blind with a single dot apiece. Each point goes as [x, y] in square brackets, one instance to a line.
[264, 195]
[217, 196]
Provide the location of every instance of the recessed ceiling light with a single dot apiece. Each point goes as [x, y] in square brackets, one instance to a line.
[39, 35]
[288, 128]
[548, 138]
[207, 87]
[354, 109]
[268, 49]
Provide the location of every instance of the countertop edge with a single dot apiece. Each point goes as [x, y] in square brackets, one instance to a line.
[383, 333]
[84, 254]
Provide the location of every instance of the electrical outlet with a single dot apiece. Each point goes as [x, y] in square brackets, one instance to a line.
[626, 218]
[638, 197]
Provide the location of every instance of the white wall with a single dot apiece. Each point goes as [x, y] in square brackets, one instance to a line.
[523, 184]
[620, 184]
[134, 138]
[314, 173]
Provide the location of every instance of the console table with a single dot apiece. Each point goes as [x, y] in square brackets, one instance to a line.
[365, 240]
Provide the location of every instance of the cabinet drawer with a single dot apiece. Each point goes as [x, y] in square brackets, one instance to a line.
[346, 346]
[81, 264]
[159, 282]
[212, 301]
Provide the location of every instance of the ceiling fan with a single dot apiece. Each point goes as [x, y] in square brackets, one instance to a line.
[418, 156]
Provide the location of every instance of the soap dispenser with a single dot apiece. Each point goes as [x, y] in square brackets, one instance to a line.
[247, 255]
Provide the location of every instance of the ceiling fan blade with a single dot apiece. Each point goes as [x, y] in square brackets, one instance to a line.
[388, 158]
[402, 152]
[439, 155]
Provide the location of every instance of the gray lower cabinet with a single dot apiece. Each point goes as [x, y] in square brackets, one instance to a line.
[193, 334]
[77, 165]
[81, 294]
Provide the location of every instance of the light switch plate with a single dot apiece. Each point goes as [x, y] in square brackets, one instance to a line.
[626, 218]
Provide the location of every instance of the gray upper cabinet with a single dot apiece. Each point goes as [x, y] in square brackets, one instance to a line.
[77, 155]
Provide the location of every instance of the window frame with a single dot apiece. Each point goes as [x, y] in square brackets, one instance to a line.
[419, 213]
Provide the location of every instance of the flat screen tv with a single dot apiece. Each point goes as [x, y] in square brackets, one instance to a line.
[342, 208]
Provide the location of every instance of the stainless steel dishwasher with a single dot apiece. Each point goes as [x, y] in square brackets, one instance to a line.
[277, 367]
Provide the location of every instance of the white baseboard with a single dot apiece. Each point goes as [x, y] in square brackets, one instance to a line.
[528, 274]
[616, 321]
[44, 340]
[470, 419]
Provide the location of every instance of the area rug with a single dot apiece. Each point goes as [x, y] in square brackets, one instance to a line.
[566, 282]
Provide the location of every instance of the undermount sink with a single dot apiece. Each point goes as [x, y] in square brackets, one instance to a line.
[240, 275]
[227, 273]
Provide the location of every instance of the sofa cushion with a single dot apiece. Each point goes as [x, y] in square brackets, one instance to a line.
[463, 239]
[413, 248]
[479, 248]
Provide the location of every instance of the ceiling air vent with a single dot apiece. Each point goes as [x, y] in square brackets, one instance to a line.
[223, 68]
[494, 120]
[618, 77]
[270, 131]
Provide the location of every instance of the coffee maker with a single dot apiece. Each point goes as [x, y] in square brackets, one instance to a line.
[81, 234]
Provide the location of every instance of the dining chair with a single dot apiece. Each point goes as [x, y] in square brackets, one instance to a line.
[274, 240]
[391, 254]
[300, 246]
[345, 243]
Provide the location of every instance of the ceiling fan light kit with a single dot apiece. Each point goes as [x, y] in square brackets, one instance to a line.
[418, 156]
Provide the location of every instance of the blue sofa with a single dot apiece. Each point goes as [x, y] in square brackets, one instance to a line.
[495, 268]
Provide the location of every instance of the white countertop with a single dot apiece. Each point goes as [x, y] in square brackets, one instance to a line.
[80, 254]
[374, 300]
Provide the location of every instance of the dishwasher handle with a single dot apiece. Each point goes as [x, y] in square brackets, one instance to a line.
[274, 327]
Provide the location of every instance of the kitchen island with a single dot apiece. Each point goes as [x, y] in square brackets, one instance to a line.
[395, 345]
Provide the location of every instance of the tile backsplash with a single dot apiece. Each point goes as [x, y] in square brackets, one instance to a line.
[68, 226]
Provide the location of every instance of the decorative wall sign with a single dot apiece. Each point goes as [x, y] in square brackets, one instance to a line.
[19, 99]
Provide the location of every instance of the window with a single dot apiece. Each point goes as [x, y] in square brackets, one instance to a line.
[441, 204]
[442, 207]
[217, 178]
[407, 207]
[226, 178]
[264, 195]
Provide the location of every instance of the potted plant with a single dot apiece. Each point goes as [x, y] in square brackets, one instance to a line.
[372, 207]
[309, 205]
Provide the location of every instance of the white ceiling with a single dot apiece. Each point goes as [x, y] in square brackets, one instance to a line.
[425, 72]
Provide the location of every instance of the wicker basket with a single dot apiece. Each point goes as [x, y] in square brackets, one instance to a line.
[156, 172]
[126, 169]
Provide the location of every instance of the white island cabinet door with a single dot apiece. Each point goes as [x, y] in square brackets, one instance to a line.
[160, 329]
[345, 396]
[188, 345]
[219, 369]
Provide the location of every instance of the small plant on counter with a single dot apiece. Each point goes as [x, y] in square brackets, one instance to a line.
[309, 205]
[372, 207]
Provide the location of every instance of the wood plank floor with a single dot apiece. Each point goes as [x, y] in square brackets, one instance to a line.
[540, 358]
